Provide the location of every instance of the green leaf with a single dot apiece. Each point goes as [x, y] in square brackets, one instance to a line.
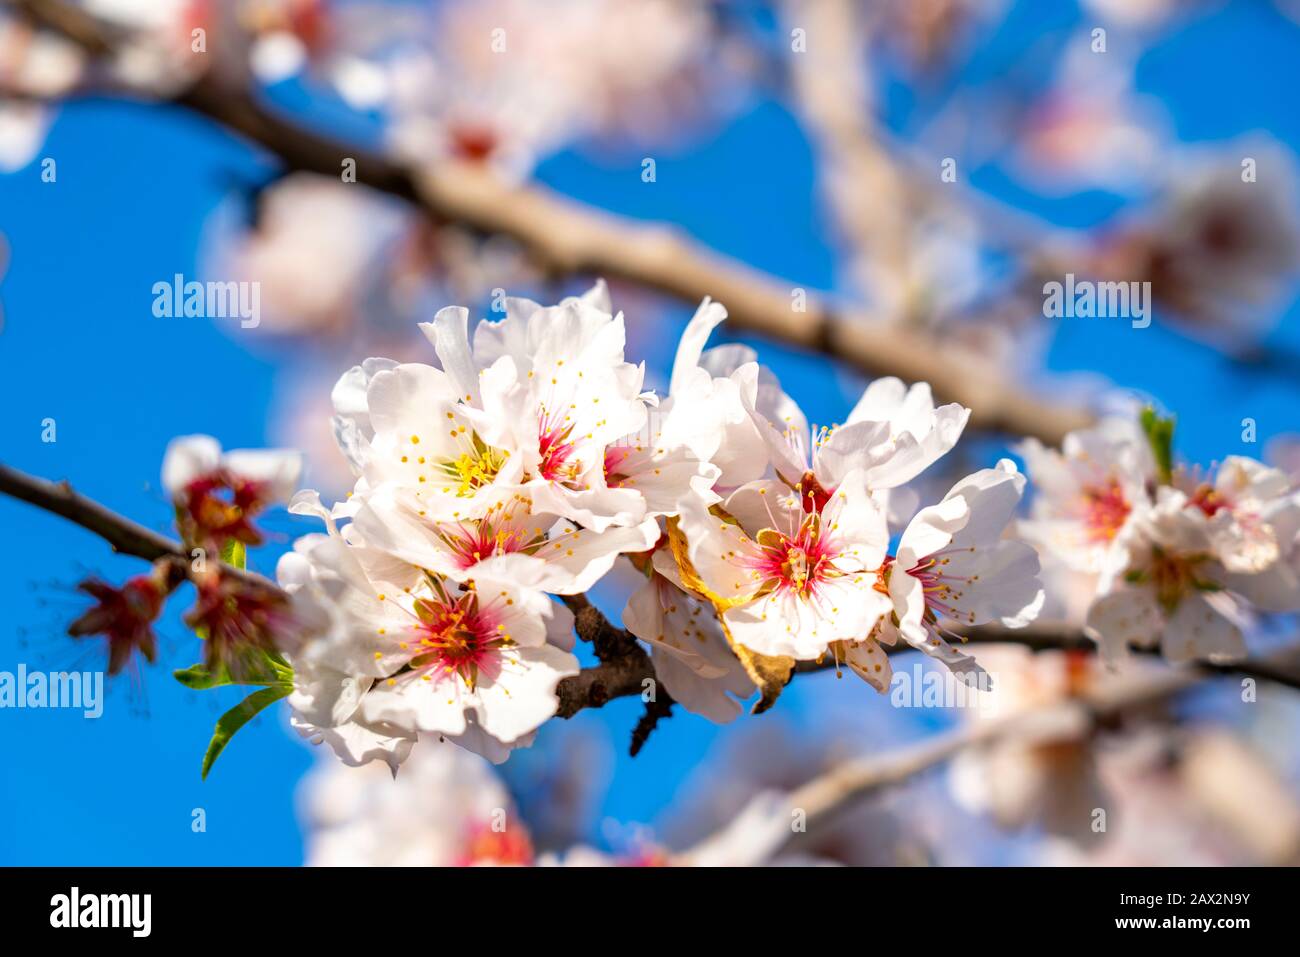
[237, 717]
[268, 668]
[234, 553]
[199, 678]
[1160, 435]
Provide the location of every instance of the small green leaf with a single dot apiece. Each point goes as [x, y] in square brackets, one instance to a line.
[237, 717]
[234, 554]
[266, 668]
[1160, 434]
[199, 678]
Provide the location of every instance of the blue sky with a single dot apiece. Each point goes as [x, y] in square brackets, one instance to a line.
[80, 345]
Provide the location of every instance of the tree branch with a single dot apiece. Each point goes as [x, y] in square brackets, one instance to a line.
[621, 673]
[824, 797]
[624, 665]
[567, 237]
[122, 534]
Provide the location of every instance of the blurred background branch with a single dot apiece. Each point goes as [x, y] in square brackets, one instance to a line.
[565, 237]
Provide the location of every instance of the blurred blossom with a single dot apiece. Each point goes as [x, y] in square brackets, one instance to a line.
[943, 270]
[346, 268]
[447, 807]
[125, 616]
[321, 251]
[1091, 128]
[35, 66]
[509, 81]
[22, 133]
[217, 494]
[1069, 591]
[35, 62]
[1220, 248]
[776, 759]
[1136, 13]
[1045, 774]
[1177, 801]
[301, 419]
[241, 621]
[1283, 452]
[287, 32]
[160, 53]
[927, 32]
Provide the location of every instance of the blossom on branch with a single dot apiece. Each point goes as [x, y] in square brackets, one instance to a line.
[124, 616]
[1179, 559]
[217, 495]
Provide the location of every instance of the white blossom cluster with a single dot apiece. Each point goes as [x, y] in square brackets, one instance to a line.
[1179, 558]
[450, 808]
[531, 459]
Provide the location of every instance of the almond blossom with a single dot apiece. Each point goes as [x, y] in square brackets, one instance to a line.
[218, 494]
[1087, 492]
[488, 653]
[1260, 503]
[124, 616]
[36, 67]
[786, 579]
[1176, 557]
[1165, 585]
[506, 82]
[891, 436]
[393, 520]
[409, 650]
[953, 567]
[706, 409]
[447, 809]
[533, 406]
[554, 386]
[1048, 774]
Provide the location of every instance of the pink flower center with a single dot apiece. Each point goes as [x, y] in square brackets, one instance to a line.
[220, 507]
[477, 541]
[942, 589]
[473, 142]
[615, 456]
[1209, 500]
[799, 564]
[556, 445]
[459, 637]
[1105, 509]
